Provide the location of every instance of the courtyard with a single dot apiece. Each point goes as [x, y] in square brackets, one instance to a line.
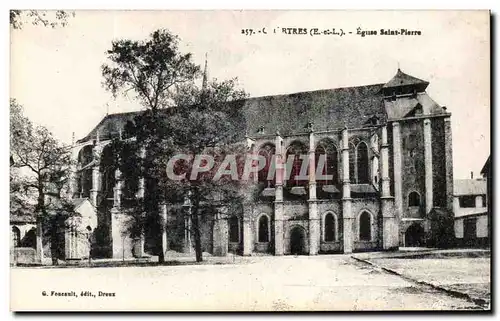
[266, 283]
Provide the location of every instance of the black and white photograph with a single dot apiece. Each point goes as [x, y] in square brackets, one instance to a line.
[250, 160]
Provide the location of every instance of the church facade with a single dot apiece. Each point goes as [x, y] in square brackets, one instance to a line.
[389, 177]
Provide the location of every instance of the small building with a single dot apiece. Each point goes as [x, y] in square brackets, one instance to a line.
[67, 235]
[22, 239]
[486, 173]
[78, 230]
[471, 212]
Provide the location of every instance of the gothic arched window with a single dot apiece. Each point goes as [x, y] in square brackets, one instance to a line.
[365, 232]
[362, 164]
[297, 151]
[85, 157]
[327, 151]
[131, 160]
[108, 169]
[234, 233]
[263, 229]
[267, 151]
[15, 236]
[329, 228]
[414, 199]
[352, 163]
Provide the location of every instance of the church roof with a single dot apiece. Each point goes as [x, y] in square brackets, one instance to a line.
[486, 168]
[288, 113]
[109, 125]
[79, 201]
[326, 109]
[462, 187]
[402, 79]
[406, 106]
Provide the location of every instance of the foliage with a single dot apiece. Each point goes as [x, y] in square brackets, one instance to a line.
[151, 68]
[44, 160]
[212, 127]
[39, 169]
[179, 118]
[51, 19]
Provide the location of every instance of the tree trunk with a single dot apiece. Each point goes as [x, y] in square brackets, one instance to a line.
[54, 241]
[163, 227]
[161, 255]
[197, 237]
[40, 215]
[39, 239]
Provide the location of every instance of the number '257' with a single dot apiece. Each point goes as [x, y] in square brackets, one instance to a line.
[247, 32]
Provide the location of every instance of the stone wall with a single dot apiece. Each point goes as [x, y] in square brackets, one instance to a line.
[295, 210]
[23, 255]
[256, 211]
[439, 163]
[175, 229]
[482, 237]
[372, 206]
[334, 207]
[123, 245]
[413, 164]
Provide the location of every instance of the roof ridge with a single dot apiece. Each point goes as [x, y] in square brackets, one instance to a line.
[354, 102]
[314, 91]
[402, 79]
[267, 96]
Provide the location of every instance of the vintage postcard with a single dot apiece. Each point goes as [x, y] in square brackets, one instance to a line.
[250, 160]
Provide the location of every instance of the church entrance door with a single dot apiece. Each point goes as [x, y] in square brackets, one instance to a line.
[414, 236]
[297, 241]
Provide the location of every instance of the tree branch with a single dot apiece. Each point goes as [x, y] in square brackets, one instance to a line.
[25, 163]
[141, 88]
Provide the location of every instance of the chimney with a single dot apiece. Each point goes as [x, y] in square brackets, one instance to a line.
[471, 175]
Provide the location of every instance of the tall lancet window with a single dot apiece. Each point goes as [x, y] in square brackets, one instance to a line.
[85, 159]
[297, 151]
[327, 153]
[15, 236]
[365, 227]
[234, 232]
[263, 229]
[330, 228]
[352, 163]
[362, 164]
[267, 152]
[108, 170]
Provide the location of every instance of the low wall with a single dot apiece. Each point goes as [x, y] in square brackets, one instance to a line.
[23, 255]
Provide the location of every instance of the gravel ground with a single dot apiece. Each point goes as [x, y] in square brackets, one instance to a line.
[466, 275]
[324, 283]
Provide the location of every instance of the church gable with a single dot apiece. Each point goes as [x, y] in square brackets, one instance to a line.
[405, 96]
[404, 80]
[411, 106]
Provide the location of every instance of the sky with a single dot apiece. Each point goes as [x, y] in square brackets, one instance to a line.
[55, 73]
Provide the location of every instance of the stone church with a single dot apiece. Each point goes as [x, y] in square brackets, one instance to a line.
[388, 154]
